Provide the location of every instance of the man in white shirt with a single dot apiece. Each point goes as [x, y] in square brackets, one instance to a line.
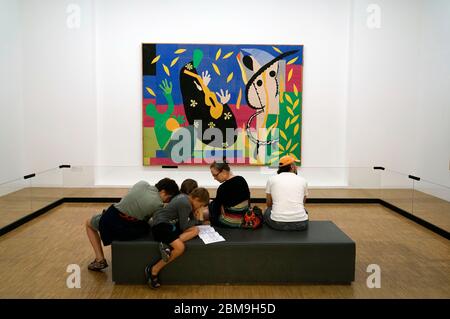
[285, 198]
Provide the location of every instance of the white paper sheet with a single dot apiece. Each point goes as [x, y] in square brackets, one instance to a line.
[209, 235]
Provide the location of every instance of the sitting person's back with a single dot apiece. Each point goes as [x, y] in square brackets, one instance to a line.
[288, 191]
[176, 212]
[127, 220]
[232, 198]
[141, 201]
[286, 194]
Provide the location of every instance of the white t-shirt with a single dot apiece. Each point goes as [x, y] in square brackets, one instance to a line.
[287, 191]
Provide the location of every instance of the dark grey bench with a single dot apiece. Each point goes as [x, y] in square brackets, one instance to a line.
[322, 254]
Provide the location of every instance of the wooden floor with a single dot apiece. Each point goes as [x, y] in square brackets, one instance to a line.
[415, 263]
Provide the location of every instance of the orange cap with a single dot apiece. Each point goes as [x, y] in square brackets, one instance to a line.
[287, 160]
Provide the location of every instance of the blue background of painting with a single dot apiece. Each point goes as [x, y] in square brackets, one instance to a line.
[166, 51]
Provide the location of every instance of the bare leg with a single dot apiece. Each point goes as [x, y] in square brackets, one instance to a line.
[178, 248]
[188, 234]
[96, 243]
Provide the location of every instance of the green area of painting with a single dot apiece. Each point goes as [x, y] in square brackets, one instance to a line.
[290, 141]
[150, 142]
[289, 145]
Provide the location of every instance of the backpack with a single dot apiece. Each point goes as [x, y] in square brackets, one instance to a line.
[253, 218]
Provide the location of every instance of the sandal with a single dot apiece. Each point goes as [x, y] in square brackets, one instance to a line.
[98, 265]
[152, 280]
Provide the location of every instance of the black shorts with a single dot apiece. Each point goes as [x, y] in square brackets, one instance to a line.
[113, 226]
[165, 233]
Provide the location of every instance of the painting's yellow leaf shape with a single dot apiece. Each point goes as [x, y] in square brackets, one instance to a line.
[230, 77]
[166, 69]
[288, 98]
[286, 125]
[216, 68]
[288, 145]
[289, 110]
[296, 128]
[292, 61]
[226, 56]
[238, 102]
[174, 61]
[290, 74]
[156, 58]
[149, 90]
[218, 54]
[276, 49]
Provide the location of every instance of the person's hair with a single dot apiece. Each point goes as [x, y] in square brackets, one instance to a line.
[188, 185]
[284, 169]
[169, 186]
[201, 194]
[223, 166]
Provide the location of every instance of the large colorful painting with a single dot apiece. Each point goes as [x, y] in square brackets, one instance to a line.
[201, 102]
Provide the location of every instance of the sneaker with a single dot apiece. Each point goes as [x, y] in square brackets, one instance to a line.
[98, 265]
[165, 251]
[152, 281]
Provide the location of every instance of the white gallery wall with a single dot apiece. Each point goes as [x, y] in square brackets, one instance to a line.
[399, 107]
[432, 116]
[121, 27]
[57, 84]
[11, 107]
[372, 96]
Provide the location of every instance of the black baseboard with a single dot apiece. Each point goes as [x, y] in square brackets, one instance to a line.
[27, 218]
[342, 201]
[91, 199]
[416, 219]
[328, 200]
